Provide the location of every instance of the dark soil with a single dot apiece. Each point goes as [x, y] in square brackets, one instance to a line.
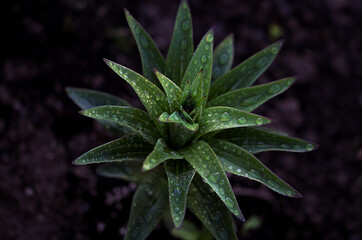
[48, 45]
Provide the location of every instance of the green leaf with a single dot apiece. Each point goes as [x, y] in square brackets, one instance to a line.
[223, 57]
[130, 147]
[173, 92]
[148, 206]
[182, 45]
[151, 56]
[202, 59]
[238, 161]
[203, 159]
[256, 140]
[160, 153]
[134, 118]
[248, 99]
[218, 118]
[126, 170]
[189, 231]
[211, 211]
[86, 99]
[247, 72]
[150, 95]
[179, 174]
[197, 95]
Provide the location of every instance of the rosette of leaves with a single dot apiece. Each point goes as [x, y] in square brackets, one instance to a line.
[197, 125]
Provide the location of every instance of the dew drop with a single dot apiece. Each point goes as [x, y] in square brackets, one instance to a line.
[274, 89]
[185, 25]
[138, 29]
[222, 191]
[223, 59]
[296, 147]
[309, 147]
[289, 82]
[214, 178]
[195, 62]
[255, 174]
[207, 47]
[289, 193]
[229, 202]
[203, 59]
[158, 97]
[259, 121]
[177, 219]
[274, 50]
[249, 101]
[285, 146]
[225, 117]
[183, 44]
[153, 160]
[273, 184]
[261, 62]
[210, 38]
[242, 120]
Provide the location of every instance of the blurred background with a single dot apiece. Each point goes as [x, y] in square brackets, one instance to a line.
[48, 45]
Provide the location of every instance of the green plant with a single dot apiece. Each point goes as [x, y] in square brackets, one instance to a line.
[197, 126]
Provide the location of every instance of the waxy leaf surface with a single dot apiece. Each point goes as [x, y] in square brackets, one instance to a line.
[179, 174]
[246, 73]
[203, 159]
[236, 160]
[130, 147]
[211, 211]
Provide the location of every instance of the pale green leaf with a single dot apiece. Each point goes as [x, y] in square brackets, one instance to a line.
[256, 140]
[150, 95]
[148, 206]
[182, 45]
[211, 211]
[218, 118]
[126, 170]
[238, 161]
[202, 59]
[160, 153]
[86, 99]
[245, 73]
[248, 99]
[151, 56]
[133, 118]
[130, 147]
[203, 159]
[223, 57]
[179, 174]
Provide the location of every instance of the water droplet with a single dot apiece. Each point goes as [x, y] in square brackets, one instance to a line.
[296, 147]
[289, 82]
[273, 184]
[229, 202]
[249, 101]
[309, 147]
[185, 25]
[153, 160]
[214, 178]
[289, 193]
[195, 62]
[261, 62]
[222, 191]
[183, 44]
[144, 42]
[259, 121]
[285, 146]
[158, 97]
[242, 120]
[203, 59]
[177, 191]
[223, 59]
[138, 29]
[274, 50]
[207, 47]
[210, 38]
[225, 117]
[177, 219]
[255, 174]
[274, 89]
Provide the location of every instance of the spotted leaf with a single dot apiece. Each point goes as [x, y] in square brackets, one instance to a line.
[223, 57]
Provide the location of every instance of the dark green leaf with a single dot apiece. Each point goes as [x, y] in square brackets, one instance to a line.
[173, 92]
[86, 99]
[151, 56]
[150, 95]
[223, 57]
[247, 99]
[247, 72]
[197, 95]
[207, 206]
[179, 174]
[148, 206]
[238, 161]
[126, 170]
[202, 59]
[130, 147]
[182, 45]
[256, 140]
[160, 153]
[189, 231]
[218, 118]
[133, 118]
[203, 159]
